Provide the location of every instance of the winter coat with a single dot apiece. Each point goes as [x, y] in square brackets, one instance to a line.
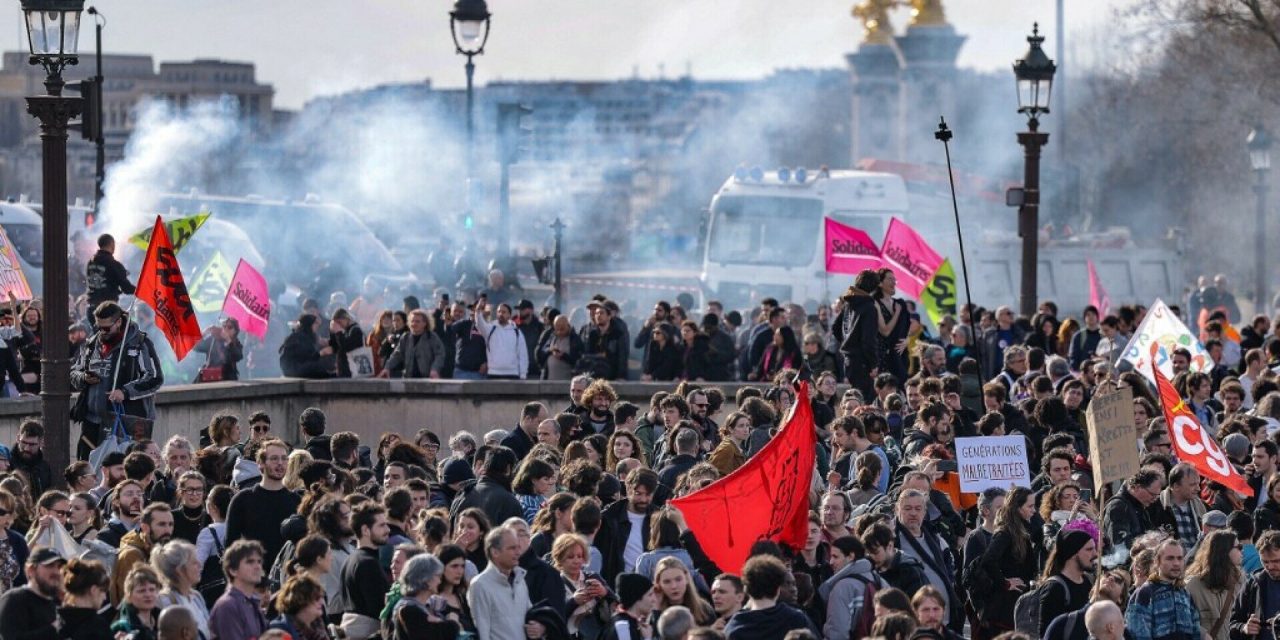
[300, 357]
[695, 359]
[845, 596]
[727, 457]
[496, 501]
[611, 344]
[106, 278]
[345, 342]
[890, 361]
[1000, 563]
[543, 352]
[611, 539]
[137, 375]
[225, 356]
[720, 357]
[856, 330]
[1123, 519]
[426, 350]
[663, 362]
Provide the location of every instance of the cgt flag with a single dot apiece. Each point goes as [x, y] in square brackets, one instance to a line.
[161, 286]
[765, 499]
[248, 300]
[910, 257]
[849, 249]
[1190, 442]
[179, 230]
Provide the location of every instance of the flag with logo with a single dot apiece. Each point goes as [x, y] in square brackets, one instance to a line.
[1162, 328]
[765, 499]
[1097, 295]
[939, 297]
[180, 231]
[849, 249]
[912, 259]
[209, 287]
[1190, 441]
[248, 300]
[161, 286]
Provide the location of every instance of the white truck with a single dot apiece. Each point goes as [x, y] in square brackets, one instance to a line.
[764, 238]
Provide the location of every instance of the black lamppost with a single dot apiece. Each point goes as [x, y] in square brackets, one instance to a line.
[53, 28]
[469, 23]
[558, 227]
[1034, 73]
[1260, 160]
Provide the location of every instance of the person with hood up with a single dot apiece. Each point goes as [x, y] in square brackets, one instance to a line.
[300, 353]
[846, 593]
[856, 330]
[116, 368]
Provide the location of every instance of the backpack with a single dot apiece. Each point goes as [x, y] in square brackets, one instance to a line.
[860, 626]
[213, 582]
[975, 584]
[1026, 611]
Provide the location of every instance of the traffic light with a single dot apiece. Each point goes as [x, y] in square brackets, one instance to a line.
[512, 133]
[91, 115]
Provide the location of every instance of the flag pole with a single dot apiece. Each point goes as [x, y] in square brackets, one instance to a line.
[115, 377]
[943, 135]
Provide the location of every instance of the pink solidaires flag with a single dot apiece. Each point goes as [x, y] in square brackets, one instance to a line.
[248, 300]
[849, 250]
[1097, 295]
[912, 259]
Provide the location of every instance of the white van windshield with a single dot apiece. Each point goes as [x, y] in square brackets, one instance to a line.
[765, 230]
[29, 242]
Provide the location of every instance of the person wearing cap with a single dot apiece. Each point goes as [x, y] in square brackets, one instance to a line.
[1211, 521]
[30, 612]
[636, 601]
[532, 328]
[1070, 564]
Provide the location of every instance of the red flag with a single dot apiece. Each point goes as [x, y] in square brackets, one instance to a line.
[1190, 442]
[849, 249]
[161, 286]
[1097, 295]
[767, 498]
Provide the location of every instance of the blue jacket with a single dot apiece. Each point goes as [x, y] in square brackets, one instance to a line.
[1161, 611]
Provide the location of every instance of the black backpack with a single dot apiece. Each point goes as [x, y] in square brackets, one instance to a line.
[213, 582]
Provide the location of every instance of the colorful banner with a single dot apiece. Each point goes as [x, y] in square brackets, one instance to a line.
[210, 286]
[179, 230]
[12, 279]
[849, 249]
[1162, 328]
[765, 499]
[160, 286]
[939, 298]
[992, 461]
[1097, 295]
[248, 300]
[910, 257]
[1190, 442]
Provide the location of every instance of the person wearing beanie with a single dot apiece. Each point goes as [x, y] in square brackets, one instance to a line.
[1237, 447]
[112, 473]
[1074, 554]
[636, 602]
[457, 474]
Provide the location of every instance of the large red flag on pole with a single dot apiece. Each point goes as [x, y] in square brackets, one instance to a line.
[1190, 442]
[765, 499]
[161, 286]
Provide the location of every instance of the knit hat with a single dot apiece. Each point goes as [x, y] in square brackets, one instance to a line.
[631, 587]
[1237, 446]
[1215, 518]
[1071, 542]
[458, 470]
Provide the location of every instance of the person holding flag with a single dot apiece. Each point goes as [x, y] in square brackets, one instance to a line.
[117, 367]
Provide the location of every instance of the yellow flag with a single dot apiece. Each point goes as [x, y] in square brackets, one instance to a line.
[180, 231]
[210, 285]
[939, 296]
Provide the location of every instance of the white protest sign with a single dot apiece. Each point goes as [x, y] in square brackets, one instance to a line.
[1160, 326]
[992, 461]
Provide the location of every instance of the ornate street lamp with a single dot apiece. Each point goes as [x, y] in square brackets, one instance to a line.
[1259, 143]
[469, 23]
[53, 31]
[1034, 75]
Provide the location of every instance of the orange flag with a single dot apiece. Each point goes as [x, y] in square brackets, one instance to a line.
[161, 286]
[765, 499]
[1190, 442]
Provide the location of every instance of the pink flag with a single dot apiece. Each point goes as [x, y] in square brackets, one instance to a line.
[849, 250]
[1097, 295]
[910, 257]
[248, 300]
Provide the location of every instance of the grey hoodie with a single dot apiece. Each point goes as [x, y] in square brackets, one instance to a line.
[844, 596]
[244, 472]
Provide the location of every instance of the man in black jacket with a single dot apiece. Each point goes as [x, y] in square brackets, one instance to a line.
[1125, 516]
[28, 457]
[685, 458]
[312, 423]
[106, 277]
[606, 339]
[1256, 605]
[529, 325]
[118, 366]
[856, 330]
[492, 493]
[29, 612]
[624, 530]
[522, 438]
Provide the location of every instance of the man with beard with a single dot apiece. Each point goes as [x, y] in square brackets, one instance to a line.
[126, 509]
[529, 324]
[364, 584]
[256, 513]
[116, 366]
[598, 398]
[1162, 607]
[31, 611]
[624, 533]
[606, 340]
[28, 457]
[135, 547]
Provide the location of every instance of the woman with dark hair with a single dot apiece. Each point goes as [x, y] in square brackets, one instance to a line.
[399, 327]
[387, 440]
[535, 482]
[866, 480]
[1045, 334]
[893, 327]
[696, 358]
[80, 616]
[661, 355]
[469, 532]
[782, 353]
[623, 445]
[222, 348]
[664, 542]
[856, 330]
[453, 586]
[1213, 577]
[300, 353]
[553, 520]
[300, 603]
[345, 336]
[1010, 561]
[730, 453]
[85, 520]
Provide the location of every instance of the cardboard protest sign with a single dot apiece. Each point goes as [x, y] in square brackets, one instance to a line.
[1113, 438]
[12, 279]
[992, 461]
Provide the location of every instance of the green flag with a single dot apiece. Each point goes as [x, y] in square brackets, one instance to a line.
[939, 296]
[210, 285]
[180, 231]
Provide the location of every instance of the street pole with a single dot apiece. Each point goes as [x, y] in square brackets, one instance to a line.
[54, 112]
[471, 127]
[1029, 215]
[1260, 238]
[558, 227]
[100, 175]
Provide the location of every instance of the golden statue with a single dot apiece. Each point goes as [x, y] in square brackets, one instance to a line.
[927, 13]
[874, 15]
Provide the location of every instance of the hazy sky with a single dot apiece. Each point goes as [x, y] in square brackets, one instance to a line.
[315, 47]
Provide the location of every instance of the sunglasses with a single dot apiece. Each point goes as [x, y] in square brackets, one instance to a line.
[61, 513]
[261, 428]
[4, 512]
